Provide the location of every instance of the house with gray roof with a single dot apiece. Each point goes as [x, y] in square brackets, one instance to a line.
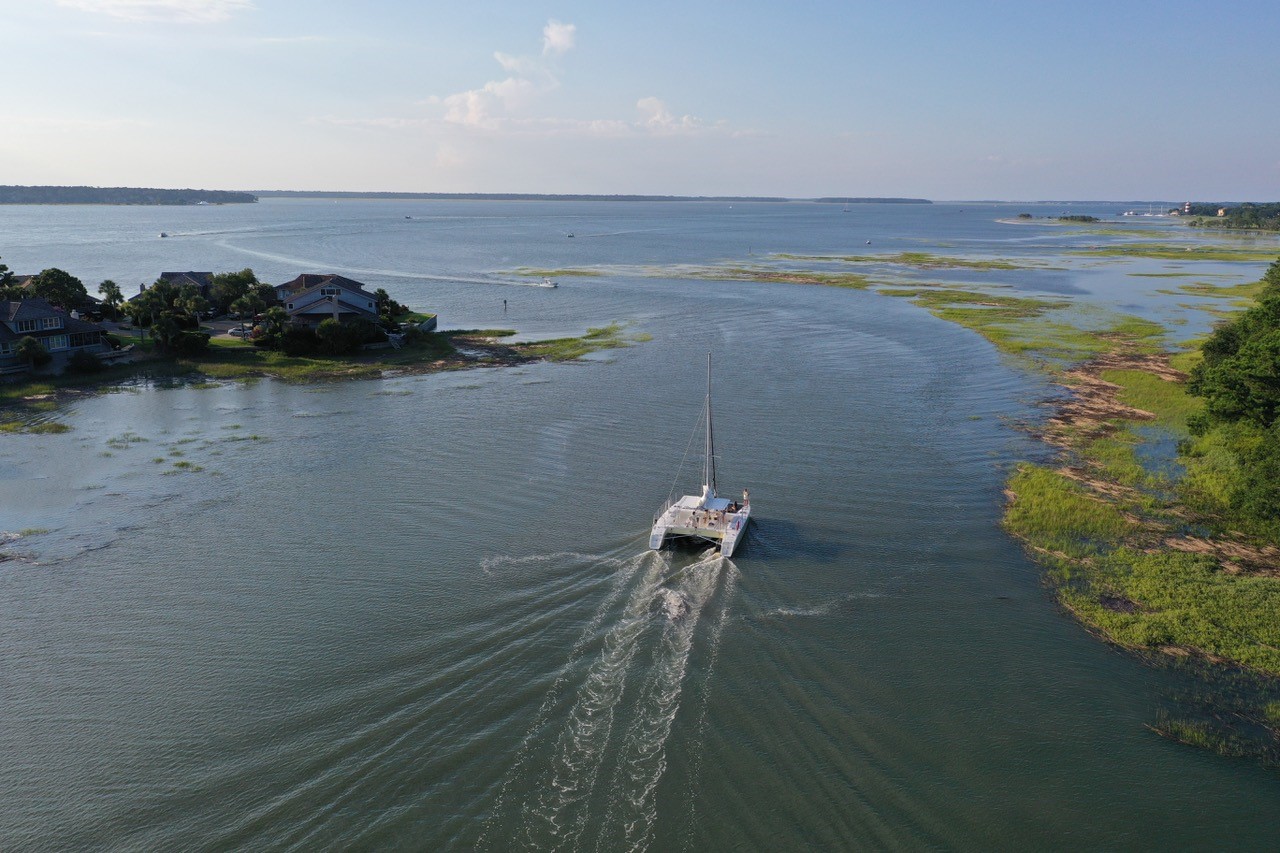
[312, 298]
[202, 281]
[58, 332]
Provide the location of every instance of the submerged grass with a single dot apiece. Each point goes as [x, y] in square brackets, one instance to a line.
[1046, 332]
[567, 349]
[562, 272]
[922, 260]
[1179, 252]
[765, 274]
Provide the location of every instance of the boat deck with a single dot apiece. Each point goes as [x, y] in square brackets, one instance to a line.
[721, 521]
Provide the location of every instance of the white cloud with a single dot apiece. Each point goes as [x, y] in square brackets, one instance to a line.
[292, 40]
[657, 118]
[180, 11]
[67, 124]
[557, 37]
[489, 105]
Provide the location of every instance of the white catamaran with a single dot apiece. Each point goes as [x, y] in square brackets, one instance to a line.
[707, 516]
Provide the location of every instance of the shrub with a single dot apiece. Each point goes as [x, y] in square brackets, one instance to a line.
[189, 343]
[299, 341]
[83, 361]
[33, 352]
[341, 338]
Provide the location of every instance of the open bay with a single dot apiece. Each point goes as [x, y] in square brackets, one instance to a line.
[418, 611]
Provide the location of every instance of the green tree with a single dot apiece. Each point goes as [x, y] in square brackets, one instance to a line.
[60, 288]
[249, 304]
[275, 319]
[227, 287]
[32, 352]
[165, 327]
[194, 305]
[111, 296]
[6, 277]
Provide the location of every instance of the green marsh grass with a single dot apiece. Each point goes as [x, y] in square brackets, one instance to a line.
[922, 260]
[1056, 514]
[1178, 252]
[565, 272]
[1167, 400]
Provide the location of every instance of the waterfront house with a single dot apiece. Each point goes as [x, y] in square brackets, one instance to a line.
[312, 298]
[202, 281]
[60, 333]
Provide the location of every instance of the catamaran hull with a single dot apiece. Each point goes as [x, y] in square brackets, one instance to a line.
[671, 527]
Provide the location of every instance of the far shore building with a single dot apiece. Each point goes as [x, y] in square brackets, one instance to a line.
[312, 298]
[60, 333]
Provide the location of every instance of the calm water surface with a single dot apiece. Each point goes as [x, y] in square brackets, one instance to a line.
[418, 612]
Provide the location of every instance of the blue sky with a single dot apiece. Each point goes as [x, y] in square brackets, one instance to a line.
[1013, 100]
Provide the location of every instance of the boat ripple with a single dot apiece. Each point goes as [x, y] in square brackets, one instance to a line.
[633, 810]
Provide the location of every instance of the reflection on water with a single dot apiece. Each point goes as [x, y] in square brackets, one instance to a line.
[397, 613]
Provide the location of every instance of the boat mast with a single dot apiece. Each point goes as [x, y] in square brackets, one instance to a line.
[709, 463]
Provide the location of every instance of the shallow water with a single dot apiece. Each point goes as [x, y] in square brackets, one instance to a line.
[418, 611]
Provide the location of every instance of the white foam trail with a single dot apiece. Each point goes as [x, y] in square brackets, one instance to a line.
[496, 563]
[717, 630]
[633, 810]
[580, 750]
[325, 265]
[627, 570]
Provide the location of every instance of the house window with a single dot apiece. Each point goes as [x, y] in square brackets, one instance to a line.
[51, 322]
[328, 291]
[56, 342]
[85, 339]
[370, 304]
[6, 347]
[26, 325]
[290, 306]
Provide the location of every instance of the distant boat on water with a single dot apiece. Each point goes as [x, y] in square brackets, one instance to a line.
[546, 282]
[163, 234]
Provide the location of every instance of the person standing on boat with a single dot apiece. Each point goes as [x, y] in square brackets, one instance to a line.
[746, 497]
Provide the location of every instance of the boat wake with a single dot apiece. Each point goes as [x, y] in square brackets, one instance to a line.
[415, 276]
[616, 723]
[633, 811]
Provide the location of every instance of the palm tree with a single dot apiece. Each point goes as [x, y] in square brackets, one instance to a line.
[112, 297]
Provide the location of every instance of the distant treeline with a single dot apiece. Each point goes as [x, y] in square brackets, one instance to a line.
[118, 195]
[567, 197]
[1263, 217]
[503, 196]
[873, 200]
